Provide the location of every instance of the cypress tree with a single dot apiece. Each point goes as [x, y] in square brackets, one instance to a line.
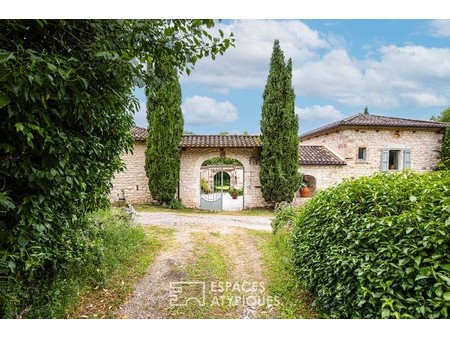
[165, 129]
[279, 127]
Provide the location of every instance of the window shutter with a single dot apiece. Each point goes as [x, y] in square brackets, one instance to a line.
[407, 159]
[384, 159]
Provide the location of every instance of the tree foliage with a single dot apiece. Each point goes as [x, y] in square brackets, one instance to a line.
[279, 126]
[165, 129]
[377, 247]
[444, 116]
[222, 160]
[66, 101]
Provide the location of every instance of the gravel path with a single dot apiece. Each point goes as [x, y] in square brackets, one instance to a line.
[216, 221]
[152, 294]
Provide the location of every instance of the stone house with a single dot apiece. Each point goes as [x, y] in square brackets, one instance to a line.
[359, 145]
[367, 144]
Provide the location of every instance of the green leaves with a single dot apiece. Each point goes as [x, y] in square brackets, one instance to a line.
[66, 103]
[377, 247]
[4, 100]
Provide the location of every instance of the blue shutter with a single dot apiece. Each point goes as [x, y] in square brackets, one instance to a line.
[384, 160]
[407, 159]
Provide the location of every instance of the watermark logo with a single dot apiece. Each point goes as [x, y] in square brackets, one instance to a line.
[181, 293]
[229, 294]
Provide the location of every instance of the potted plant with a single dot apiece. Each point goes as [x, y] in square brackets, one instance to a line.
[304, 190]
[234, 193]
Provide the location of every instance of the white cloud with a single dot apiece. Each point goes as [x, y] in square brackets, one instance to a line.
[201, 110]
[396, 78]
[440, 28]
[247, 65]
[316, 112]
[426, 99]
[323, 67]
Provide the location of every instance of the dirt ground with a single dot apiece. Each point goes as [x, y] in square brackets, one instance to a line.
[152, 296]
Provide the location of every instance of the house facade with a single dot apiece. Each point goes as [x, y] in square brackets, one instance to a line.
[360, 145]
[368, 144]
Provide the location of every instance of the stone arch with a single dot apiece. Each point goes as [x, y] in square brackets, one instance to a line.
[312, 183]
[192, 160]
[222, 175]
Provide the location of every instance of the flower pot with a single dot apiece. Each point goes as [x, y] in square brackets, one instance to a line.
[305, 192]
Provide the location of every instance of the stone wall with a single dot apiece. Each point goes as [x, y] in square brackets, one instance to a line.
[424, 144]
[134, 179]
[326, 175]
[191, 161]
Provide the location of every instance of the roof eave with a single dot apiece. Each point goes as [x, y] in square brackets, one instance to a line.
[307, 136]
[328, 164]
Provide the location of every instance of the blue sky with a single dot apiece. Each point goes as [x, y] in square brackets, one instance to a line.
[396, 67]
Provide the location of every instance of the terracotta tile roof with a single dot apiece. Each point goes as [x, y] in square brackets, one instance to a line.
[220, 141]
[139, 134]
[318, 155]
[309, 155]
[369, 120]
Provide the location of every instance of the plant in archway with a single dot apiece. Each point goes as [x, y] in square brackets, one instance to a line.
[165, 120]
[279, 126]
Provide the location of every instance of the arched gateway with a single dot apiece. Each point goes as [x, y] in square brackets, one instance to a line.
[243, 175]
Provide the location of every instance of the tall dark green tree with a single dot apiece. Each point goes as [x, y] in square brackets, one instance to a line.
[444, 116]
[165, 129]
[279, 127]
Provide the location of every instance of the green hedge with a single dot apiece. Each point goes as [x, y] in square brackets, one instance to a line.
[378, 247]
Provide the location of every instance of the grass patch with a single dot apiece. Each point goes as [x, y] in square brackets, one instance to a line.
[98, 288]
[295, 302]
[209, 266]
[129, 252]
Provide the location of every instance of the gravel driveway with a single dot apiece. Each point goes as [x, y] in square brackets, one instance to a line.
[216, 221]
[152, 294]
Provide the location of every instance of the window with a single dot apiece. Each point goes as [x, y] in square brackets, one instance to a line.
[362, 154]
[395, 159]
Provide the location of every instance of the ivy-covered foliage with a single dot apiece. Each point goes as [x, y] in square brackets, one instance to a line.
[66, 101]
[445, 151]
[165, 129]
[279, 133]
[222, 160]
[378, 247]
[444, 116]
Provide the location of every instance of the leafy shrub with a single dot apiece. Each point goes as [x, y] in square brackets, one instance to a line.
[175, 204]
[66, 101]
[285, 215]
[378, 247]
[111, 240]
[204, 186]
